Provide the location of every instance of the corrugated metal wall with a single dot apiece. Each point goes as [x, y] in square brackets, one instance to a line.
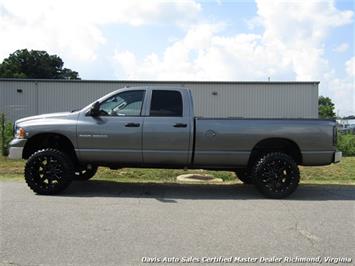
[211, 99]
[287, 100]
[18, 99]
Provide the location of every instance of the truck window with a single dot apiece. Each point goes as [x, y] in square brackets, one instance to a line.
[166, 103]
[128, 103]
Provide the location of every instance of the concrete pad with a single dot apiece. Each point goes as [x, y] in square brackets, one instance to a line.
[198, 178]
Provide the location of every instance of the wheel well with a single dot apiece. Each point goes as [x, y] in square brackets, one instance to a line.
[276, 145]
[49, 140]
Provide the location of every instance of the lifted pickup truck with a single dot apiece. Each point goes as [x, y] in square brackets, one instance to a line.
[156, 127]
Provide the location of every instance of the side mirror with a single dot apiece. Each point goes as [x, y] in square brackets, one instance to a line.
[95, 109]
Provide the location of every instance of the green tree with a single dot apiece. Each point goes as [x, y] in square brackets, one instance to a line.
[35, 64]
[325, 107]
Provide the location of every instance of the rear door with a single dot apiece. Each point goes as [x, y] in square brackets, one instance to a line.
[167, 128]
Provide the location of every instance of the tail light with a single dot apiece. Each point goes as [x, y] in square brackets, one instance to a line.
[335, 135]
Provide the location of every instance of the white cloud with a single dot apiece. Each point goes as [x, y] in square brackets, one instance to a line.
[74, 27]
[294, 22]
[300, 28]
[204, 54]
[341, 48]
[291, 46]
[346, 88]
[350, 67]
[127, 59]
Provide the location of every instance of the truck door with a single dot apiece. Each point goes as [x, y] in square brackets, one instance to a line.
[167, 130]
[115, 135]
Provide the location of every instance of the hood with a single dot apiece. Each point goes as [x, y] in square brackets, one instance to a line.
[44, 116]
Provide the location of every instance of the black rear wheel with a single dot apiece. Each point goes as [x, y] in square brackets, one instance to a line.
[48, 171]
[276, 175]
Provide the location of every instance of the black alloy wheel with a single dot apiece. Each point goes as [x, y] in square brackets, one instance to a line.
[48, 171]
[244, 176]
[276, 175]
[83, 173]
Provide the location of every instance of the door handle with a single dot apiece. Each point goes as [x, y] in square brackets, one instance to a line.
[132, 125]
[180, 125]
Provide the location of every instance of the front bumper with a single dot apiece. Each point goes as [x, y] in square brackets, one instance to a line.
[337, 156]
[16, 148]
[15, 153]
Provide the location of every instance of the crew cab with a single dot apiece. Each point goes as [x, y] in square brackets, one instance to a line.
[156, 127]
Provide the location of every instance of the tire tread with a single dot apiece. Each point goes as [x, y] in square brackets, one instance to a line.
[262, 161]
[32, 184]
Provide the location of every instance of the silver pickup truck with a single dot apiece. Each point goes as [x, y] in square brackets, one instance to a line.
[156, 127]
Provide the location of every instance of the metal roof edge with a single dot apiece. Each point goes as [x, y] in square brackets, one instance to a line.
[157, 81]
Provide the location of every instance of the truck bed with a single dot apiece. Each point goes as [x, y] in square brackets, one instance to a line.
[237, 137]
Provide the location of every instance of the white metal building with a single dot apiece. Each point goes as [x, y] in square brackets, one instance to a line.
[20, 98]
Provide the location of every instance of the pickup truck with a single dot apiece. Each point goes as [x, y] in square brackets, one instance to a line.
[155, 127]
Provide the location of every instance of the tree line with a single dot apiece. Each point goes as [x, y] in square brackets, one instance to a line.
[35, 64]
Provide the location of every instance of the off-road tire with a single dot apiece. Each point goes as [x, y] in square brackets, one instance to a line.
[244, 176]
[48, 171]
[83, 173]
[276, 175]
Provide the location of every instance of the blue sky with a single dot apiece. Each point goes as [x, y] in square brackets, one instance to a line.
[193, 40]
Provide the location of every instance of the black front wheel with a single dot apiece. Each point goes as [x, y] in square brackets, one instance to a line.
[244, 176]
[276, 175]
[48, 171]
[83, 173]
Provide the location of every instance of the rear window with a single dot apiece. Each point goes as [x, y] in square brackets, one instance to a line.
[166, 103]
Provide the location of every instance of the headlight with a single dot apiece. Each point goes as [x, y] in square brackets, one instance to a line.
[20, 133]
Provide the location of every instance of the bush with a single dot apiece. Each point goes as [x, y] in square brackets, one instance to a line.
[6, 131]
[346, 144]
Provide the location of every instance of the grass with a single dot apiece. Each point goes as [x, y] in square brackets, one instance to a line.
[341, 173]
[13, 170]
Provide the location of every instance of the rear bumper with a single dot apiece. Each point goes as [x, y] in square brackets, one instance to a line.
[318, 158]
[337, 156]
[15, 153]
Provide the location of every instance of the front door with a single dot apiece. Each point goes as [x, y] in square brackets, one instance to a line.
[166, 131]
[115, 135]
